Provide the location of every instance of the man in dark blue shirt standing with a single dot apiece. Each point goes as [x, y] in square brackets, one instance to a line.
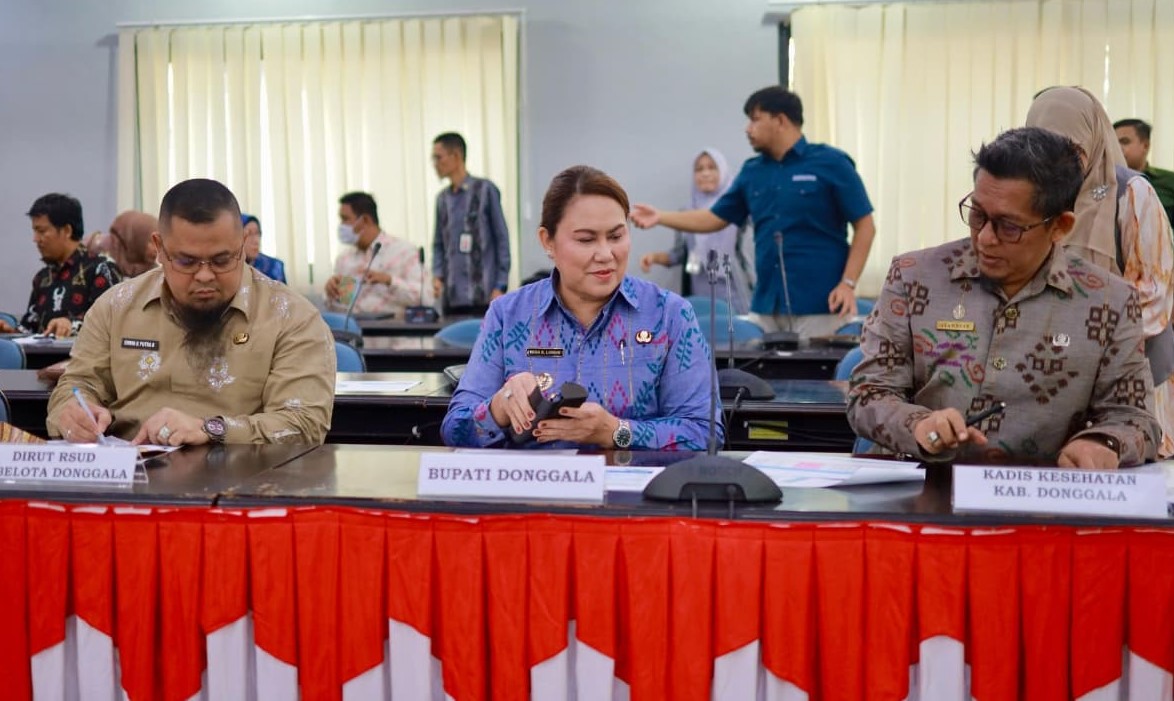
[801, 198]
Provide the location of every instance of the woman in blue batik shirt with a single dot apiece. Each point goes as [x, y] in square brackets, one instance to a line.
[270, 267]
[636, 347]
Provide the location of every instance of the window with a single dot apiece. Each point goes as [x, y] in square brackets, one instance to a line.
[292, 115]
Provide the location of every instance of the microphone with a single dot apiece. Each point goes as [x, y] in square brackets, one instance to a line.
[712, 477]
[420, 313]
[356, 339]
[734, 383]
[786, 340]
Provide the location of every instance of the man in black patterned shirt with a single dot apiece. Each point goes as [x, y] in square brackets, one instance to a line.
[72, 278]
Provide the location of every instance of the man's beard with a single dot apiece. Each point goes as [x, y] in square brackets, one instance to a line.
[203, 333]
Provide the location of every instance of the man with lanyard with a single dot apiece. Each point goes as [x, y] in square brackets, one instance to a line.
[470, 245]
[801, 197]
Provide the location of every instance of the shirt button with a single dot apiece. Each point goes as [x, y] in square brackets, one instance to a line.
[1012, 313]
[1000, 363]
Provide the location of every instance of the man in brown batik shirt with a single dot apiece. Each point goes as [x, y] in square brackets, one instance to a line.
[1008, 316]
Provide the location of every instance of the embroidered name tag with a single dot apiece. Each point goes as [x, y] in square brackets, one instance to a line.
[544, 352]
[954, 326]
[803, 178]
[140, 344]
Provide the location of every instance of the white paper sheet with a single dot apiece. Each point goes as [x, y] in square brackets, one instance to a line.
[831, 469]
[629, 479]
[373, 386]
[43, 341]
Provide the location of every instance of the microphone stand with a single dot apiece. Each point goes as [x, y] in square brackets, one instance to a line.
[421, 313]
[344, 334]
[783, 339]
[734, 383]
[712, 477]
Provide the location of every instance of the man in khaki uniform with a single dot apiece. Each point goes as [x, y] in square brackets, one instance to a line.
[203, 348]
[1008, 317]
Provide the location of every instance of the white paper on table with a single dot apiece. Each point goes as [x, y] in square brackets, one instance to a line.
[43, 341]
[376, 386]
[629, 479]
[830, 469]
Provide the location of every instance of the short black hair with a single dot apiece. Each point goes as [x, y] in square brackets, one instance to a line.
[1047, 160]
[1142, 128]
[60, 210]
[453, 142]
[775, 101]
[199, 201]
[361, 203]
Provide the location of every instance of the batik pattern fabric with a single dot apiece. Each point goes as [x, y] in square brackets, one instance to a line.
[397, 258]
[272, 268]
[67, 289]
[1065, 354]
[1147, 251]
[643, 359]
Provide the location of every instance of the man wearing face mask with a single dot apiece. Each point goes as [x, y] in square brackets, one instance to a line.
[394, 278]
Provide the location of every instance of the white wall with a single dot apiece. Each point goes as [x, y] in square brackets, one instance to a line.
[634, 87]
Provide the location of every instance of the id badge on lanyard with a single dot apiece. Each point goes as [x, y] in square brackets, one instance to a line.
[465, 243]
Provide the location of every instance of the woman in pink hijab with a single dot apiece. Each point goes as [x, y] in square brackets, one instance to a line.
[711, 179]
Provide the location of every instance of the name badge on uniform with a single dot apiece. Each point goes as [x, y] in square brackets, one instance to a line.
[140, 344]
[544, 352]
[465, 244]
[803, 178]
[954, 325]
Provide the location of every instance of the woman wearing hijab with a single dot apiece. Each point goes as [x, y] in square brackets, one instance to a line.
[129, 243]
[269, 266]
[1121, 226]
[711, 178]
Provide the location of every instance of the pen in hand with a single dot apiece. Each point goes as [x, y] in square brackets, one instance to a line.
[77, 393]
[996, 408]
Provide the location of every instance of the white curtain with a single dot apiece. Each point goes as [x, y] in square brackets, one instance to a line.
[291, 116]
[910, 89]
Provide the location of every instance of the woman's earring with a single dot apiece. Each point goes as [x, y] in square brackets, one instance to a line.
[550, 254]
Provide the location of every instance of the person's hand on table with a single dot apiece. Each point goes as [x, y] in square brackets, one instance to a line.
[945, 429]
[590, 423]
[1088, 454]
[171, 427]
[76, 427]
[61, 327]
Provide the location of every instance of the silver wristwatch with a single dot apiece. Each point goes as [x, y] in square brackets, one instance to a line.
[622, 436]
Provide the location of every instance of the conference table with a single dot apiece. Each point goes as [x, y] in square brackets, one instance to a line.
[322, 571]
[427, 354]
[408, 353]
[804, 415]
[392, 326]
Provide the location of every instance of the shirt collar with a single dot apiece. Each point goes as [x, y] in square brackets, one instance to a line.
[963, 264]
[547, 296]
[800, 147]
[73, 261]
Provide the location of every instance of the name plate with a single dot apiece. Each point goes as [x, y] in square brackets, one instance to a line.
[506, 474]
[1135, 493]
[67, 464]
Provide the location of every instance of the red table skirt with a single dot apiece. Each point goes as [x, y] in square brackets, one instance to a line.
[334, 603]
